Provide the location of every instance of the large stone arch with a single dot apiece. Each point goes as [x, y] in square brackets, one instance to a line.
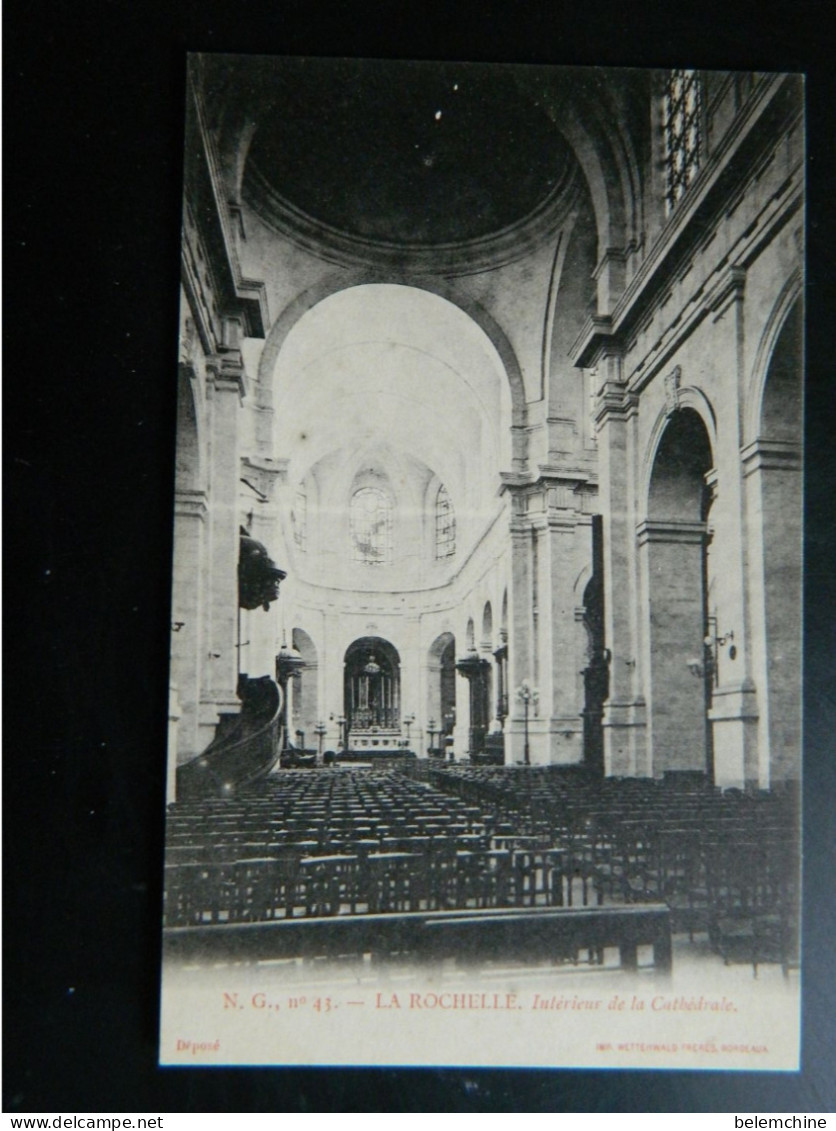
[305, 713]
[622, 146]
[372, 701]
[190, 467]
[580, 110]
[772, 470]
[581, 582]
[470, 635]
[790, 295]
[672, 547]
[598, 153]
[344, 280]
[691, 398]
[486, 639]
[441, 683]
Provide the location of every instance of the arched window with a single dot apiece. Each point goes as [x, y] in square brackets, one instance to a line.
[371, 526]
[445, 525]
[682, 120]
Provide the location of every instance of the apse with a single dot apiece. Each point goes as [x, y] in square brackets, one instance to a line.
[358, 386]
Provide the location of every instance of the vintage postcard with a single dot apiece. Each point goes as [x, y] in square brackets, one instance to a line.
[485, 708]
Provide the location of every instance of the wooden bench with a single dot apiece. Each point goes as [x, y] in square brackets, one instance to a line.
[548, 934]
[528, 934]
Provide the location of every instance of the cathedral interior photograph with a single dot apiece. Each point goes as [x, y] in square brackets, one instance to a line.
[486, 611]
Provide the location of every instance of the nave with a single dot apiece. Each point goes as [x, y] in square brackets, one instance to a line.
[329, 844]
[524, 453]
[528, 472]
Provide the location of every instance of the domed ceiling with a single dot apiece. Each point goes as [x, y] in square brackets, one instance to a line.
[400, 154]
[369, 366]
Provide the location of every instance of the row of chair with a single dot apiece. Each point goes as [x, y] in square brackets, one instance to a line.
[289, 886]
[364, 842]
[725, 863]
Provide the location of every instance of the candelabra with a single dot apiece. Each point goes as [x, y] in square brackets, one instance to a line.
[527, 694]
[320, 731]
[431, 728]
[407, 722]
[341, 722]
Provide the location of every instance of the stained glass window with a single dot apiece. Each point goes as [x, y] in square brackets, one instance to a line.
[682, 110]
[371, 526]
[445, 525]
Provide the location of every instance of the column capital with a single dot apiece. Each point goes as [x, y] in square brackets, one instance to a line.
[728, 289]
[263, 474]
[771, 455]
[596, 341]
[191, 504]
[612, 255]
[472, 665]
[556, 489]
[225, 372]
[514, 482]
[553, 475]
[670, 531]
[734, 701]
[614, 404]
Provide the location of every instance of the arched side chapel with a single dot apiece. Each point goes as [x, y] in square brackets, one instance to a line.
[541, 430]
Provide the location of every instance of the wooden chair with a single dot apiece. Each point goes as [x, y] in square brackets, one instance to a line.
[329, 885]
[397, 881]
[753, 892]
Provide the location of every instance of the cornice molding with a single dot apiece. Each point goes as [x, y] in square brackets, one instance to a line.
[670, 532]
[263, 475]
[773, 99]
[615, 404]
[191, 504]
[239, 296]
[467, 257]
[771, 455]
[226, 373]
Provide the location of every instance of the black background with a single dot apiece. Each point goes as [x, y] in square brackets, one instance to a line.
[93, 154]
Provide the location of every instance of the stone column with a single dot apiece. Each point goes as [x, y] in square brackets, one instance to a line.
[624, 730]
[569, 548]
[225, 387]
[521, 659]
[332, 673]
[461, 731]
[475, 669]
[187, 599]
[288, 665]
[430, 705]
[734, 710]
[773, 472]
[499, 706]
[174, 714]
[306, 715]
[260, 627]
[501, 697]
[412, 673]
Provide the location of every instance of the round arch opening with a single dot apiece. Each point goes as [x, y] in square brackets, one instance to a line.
[372, 689]
[675, 541]
[441, 686]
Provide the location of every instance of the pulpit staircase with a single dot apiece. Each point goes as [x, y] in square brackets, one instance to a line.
[246, 747]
